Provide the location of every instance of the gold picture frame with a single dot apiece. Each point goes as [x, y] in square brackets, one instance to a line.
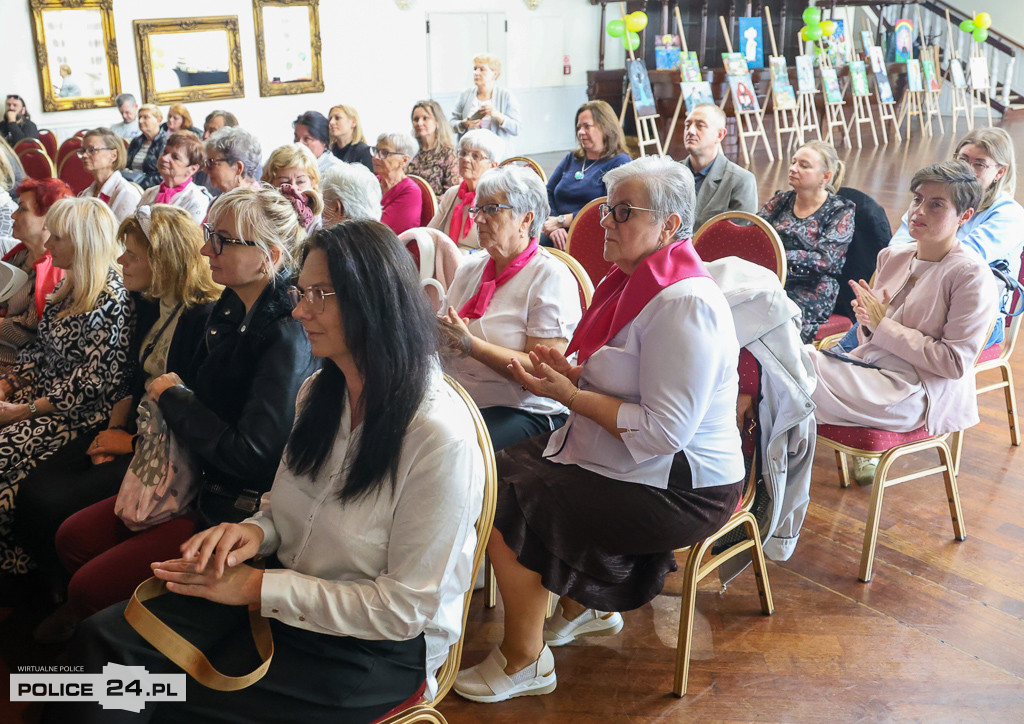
[281, 50]
[76, 36]
[176, 66]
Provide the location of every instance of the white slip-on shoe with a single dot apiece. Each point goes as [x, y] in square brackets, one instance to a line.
[863, 471]
[558, 631]
[488, 683]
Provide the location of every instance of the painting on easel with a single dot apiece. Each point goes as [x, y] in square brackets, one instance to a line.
[831, 82]
[667, 52]
[697, 93]
[805, 74]
[904, 33]
[956, 71]
[743, 91]
[640, 84]
[931, 81]
[735, 64]
[914, 82]
[979, 73]
[752, 41]
[859, 76]
[690, 67]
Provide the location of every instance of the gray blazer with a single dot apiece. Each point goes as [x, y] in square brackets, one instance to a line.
[727, 187]
[504, 101]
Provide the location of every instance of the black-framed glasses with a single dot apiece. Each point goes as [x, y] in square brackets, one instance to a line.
[211, 162]
[621, 211]
[487, 209]
[314, 298]
[979, 166]
[83, 152]
[217, 240]
[383, 153]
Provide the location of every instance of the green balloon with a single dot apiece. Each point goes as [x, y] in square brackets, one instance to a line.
[631, 40]
[980, 35]
[967, 26]
[812, 16]
[616, 28]
[813, 32]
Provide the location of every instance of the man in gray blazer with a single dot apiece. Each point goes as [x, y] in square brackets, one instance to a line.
[721, 185]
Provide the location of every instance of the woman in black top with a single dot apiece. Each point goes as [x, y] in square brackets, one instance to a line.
[347, 142]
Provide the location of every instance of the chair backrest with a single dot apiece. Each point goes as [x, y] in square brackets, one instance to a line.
[27, 143]
[755, 240]
[586, 241]
[586, 287]
[429, 207]
[69, 146]
[37, 164]
[72, 172]
[79, 134]
[871, 234]
[428, 246]
[526, 162]
[49, 141]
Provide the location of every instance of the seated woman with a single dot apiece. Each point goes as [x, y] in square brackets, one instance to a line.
[347, 142]
[375, 556]
[233, 159]
[173, 293]
[179, 119]
[485, 105]
[103, 156]
[508, 301]
[146, 148]
[65, 383]
[923, 321]
[402, 202]
[8, 206]
[479, 151]
[649, 460]
[20, 314]
[579, 178]
[349, 192]
[182, 157]
[436, 162]
[816, 227]
[311, 131]
[232, 406]
[292, 164]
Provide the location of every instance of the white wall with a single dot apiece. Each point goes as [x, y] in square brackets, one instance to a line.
[374, 57]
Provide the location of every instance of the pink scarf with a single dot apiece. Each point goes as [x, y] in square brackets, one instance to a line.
[166, 193]
[477, 304]
[456, 230]
[620, 296]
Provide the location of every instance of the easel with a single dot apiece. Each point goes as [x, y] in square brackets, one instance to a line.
[910, 107]
[886, 109]
[786, 119]
[679, 103]
[749, 124]
[977, 94]
[931, 105]
[862, 114]
[957, 96]
[835, 113]
[646, 126]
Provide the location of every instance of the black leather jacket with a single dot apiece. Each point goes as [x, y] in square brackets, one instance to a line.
[149, 175]
[238, 403]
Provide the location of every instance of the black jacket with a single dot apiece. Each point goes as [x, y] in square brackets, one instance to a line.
[14, 131]
[237, 407]
[149, 175]
[871, 234]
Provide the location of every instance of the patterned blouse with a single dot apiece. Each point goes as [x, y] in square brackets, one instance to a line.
[815, 253]
[438, 166]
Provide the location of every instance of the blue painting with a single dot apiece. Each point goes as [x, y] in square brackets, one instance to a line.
[752, 41]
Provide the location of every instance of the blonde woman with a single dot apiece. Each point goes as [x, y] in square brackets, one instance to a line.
[347, 140]
[103, 155]
[292, 164]
[485, 105]
[436, 162]
[66, 382]
[146, 148]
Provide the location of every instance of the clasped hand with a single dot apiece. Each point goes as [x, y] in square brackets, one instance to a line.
[554, 377]
[869, 309]
[161, 383]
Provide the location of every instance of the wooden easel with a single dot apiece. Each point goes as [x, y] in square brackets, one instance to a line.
[749, 124]
[886, 109]
[957, 96]
[835, 113]
[931, 98]
[786, 119]
[912, 106]
[679, 103]
[980, 98]
[646, 126]
[862, 114]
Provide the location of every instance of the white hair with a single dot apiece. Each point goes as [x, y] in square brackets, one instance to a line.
[355, 187]
[669, 187]
[522, 188]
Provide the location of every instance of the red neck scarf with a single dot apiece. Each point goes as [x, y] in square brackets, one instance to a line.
[458, 230]
[620, 296]
[477, 304]
[166, 193]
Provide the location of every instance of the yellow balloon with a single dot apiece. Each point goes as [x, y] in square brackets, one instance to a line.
[636, 21]
[983, 21]
[827, 28]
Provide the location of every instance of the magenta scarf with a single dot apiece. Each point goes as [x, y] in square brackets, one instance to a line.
[166, 193]
[477, 304]
[620, 296]
[456, 230]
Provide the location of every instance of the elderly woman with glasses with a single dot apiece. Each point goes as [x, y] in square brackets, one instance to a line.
[479, 151]
[402, 201]
[350, 192]
[649, 460]
[103, 155]
[233, 158]
[181, 158]
[509, 300]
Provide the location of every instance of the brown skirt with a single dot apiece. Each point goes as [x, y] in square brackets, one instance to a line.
[605, 543]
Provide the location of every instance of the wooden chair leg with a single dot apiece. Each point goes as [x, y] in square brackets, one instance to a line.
[867, 556]
[952, 492]
[764, 588]
[1011, 403]
[844, 469]
[686, 615]
[490, 584]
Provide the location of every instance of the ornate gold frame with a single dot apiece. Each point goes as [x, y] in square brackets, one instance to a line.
[52, 102]
[234, 88]
[267, 88]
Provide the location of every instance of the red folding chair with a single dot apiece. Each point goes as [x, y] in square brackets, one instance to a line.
[69, 146]
[49, 141]
[526, 162]
[37, 164]
[429, 207]
[754, 240]
[27, 143]
[586, 287]
[586, 241]
[72, 172]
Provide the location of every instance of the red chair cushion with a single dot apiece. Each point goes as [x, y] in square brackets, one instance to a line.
[587, 244]
[727, 238]
[991, 353]
[836, 323]
[69, 146]
[868, 438]
[411, 701]
[49, 141]
[72, 172]
[36, 164]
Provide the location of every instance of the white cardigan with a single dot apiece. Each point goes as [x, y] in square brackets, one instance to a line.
[195, 199]
[124, 195]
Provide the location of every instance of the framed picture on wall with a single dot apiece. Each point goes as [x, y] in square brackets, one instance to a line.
[189, 59]
[288, 46]
[76, 53]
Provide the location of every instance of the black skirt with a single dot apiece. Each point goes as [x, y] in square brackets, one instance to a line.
[605, 543]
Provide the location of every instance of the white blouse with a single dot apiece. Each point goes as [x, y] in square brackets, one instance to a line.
[124, 197]
[675, 365]
[195, 199]
[541, 301]
[387, 566]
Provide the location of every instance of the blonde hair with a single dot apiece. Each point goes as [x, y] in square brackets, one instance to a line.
[491, 61]
[152, 110]
[292, 155]
[830, 160]
[172, 248]
[111, 141]
[91, 226]
[608, 122]
[263, 216]
[349, 112]
[6, 172]
[443, 136]
[999, 146]
[181, 110]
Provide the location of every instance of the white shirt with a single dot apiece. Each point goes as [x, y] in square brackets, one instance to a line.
[542, 301]
[327, 160]
[385, 566]
[126, 130]
[124, 197]
[195, 199]
[675, 367]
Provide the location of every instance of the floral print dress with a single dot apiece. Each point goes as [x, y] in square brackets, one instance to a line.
[439, 167]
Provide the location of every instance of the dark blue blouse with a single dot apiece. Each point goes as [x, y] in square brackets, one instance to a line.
[567, 194]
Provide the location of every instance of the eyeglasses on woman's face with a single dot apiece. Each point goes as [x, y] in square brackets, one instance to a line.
[621, 211]
[383, 153]
[83, 152]
[978, 165]
[217, 240]
[313, 297]
[487, 209]
[210, 163]
[476, 156]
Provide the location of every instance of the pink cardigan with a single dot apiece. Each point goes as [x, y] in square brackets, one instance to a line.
[946, 319]
[402, 206]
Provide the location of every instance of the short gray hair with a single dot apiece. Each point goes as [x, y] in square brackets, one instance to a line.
[523, 189]
[964, 187]
[355, 187]
[482, 139]
[669, 187]
[237, 144]
[124, 98]
[401, 142]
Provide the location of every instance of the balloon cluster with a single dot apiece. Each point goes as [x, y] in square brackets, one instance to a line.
[628, 29]
[978, 28]
[814, 27]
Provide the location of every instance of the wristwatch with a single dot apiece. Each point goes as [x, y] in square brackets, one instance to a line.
[561, 219]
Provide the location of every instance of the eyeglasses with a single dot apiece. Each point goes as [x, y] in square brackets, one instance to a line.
[487, 209]
[217, 240]
[621, 211]
[313, 297]
[979, 166]
[473, 155]
[17, 98]
[82, 153]
[211, 162]
[383, 153]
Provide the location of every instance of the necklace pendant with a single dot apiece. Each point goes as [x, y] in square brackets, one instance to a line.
[579, 175]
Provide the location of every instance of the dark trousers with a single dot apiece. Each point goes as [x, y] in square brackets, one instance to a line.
[509, 425]
[312, 678]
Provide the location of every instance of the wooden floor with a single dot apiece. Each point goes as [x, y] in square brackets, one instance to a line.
[938, 634]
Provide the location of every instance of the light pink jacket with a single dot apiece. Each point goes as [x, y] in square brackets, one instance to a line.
[947, 318]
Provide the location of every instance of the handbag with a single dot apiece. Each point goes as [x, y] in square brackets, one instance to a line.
[1010, 286]
[162, 479]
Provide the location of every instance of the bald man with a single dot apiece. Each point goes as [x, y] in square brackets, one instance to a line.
[721, 185]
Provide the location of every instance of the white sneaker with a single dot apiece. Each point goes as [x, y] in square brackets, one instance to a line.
[488, 683]
[864, 470]
[558, 631]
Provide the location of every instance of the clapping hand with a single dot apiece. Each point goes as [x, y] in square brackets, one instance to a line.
[553, 376]
[869, 309]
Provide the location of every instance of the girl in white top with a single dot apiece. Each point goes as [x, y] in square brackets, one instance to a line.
[103, 155]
